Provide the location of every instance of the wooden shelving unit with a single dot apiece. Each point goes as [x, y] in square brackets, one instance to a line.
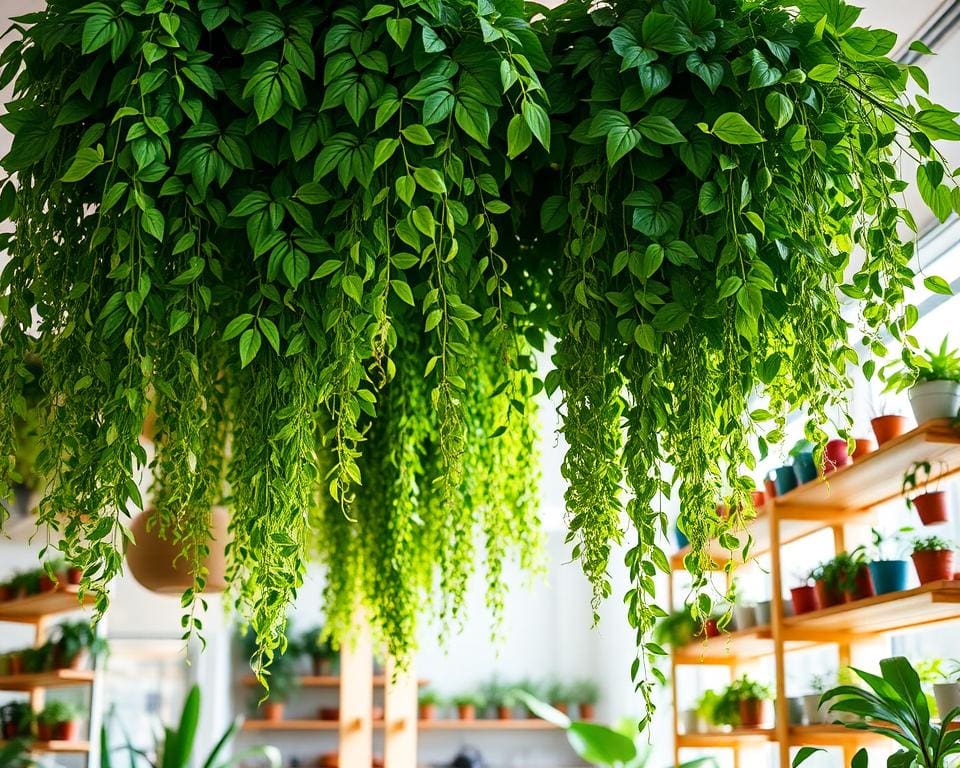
[846, 498]
[326, 681]
[487, 724]
[38, 611]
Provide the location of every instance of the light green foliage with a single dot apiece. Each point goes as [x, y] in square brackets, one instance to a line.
[322, 243]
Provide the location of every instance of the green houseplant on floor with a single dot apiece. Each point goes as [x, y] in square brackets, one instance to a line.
[340, 250]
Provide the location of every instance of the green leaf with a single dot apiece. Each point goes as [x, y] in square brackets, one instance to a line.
[250, 342]
[553, 213]
[711, 200]
[519, 136]
[437, 107]
[423, 220]
[937, 284]
[98, 31]
[84, 163]
[178, 321]
[733, 128]
[779, 107]
[430, 180]
[918, 46]
[295, 266]
[824, 73]
[265, 30]
[417, 134]
[402, 290]
[237, 326]
[599, 745]
[620, 141]
[384, 151]
[399, 30]
[537, 121]
[353, 286]
[153, 223]
[804, 754]
[660, 129]
[270, 331]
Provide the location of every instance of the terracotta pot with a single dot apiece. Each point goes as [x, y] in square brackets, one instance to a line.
[805, 599]
[47, 585]
[710, 628]
[886, 428]
[16, 663]
[329, 713]
[272, 710]
[44, 732]
[428, 711]
[156, 564]
[759, 499]
[67, 731]
[587, 711]
[864, 446]
[467, 711]
[770, 488]
[504, 713]
[751, 713]
[836, 455]
[932, 507]
[863, 587]
[10, 731]
[74, 576]
[4, 593]
[826, 595]
[561, 706]
[935, 565]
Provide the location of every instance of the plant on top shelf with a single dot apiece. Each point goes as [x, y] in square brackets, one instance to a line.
[746, 697]
[468, 703]
[315, 643]
[888, 569]
[931, 506]
[933, 558]
[427, 702]
[933, 380]
[892, 704]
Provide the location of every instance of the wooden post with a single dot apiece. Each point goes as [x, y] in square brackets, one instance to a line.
[400, 705]
[356, 696]
[781, 706]
[673, 678]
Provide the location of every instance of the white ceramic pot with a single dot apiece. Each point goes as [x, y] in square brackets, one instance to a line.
[689, 721]
[745, 615]
[935, 400]
[795, 710]
[947, 696]
[812, 712]
[763, 609]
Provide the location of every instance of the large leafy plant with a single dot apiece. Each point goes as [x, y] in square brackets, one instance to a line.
[322, 243]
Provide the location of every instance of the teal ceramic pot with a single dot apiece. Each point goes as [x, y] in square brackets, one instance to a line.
[785, 479]
[889, 575]
[804, 468]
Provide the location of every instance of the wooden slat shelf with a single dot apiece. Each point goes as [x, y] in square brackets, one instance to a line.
[875, 478]
[733, 647]
[931, 603]
[324, 681]
[739, 737]
[832, 735]
[56, 746]
[30, 610]
[291, 725]
[517, 724]
[58, 678]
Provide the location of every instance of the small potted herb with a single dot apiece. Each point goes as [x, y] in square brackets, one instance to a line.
[889, 573]
[585, 694]
[427, 702]
[560, 696]
[933, 378]
[931, 505]
[852, 574]
[750, 697]
[933, 559]
[826, 581]
[467, 705]
[57, 721]
[502, 699]
[283, 683]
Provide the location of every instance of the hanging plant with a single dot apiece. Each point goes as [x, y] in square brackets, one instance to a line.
[322, 244]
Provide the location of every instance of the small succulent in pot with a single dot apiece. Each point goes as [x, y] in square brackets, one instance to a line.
[931, 505]
[933, 558]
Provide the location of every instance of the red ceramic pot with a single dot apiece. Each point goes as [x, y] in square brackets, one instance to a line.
[886, 428]
[826, 595]
[74, 575]
[710, 628]
[932, 507]
[329, 713]
[836, 455]
[759, 499]
[863, 587]
[934, 565]
[804, 599]
[770, 488]
[587, 711]
[47, 585]
[45, 731]
[66, 731]
[865, 445]
[751, 713]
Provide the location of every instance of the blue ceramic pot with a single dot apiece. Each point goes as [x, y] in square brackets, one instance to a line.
[681, 537]
[889, 575]
[804, 468]
[784, 479]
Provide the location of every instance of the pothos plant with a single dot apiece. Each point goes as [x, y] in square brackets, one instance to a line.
[323, 244]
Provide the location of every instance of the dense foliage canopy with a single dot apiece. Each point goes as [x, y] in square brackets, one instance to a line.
[323, 242]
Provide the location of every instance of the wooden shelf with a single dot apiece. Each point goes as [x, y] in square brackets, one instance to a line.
[291, 725]
[55, 746]
[30, 610]
[875, 478]
[931, 603]
[324, 681]
[831, 736]
[484, 724]
[740, 737]
[733, 647]
[58, 678]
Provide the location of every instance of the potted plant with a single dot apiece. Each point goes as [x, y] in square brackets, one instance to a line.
[77, 645]
[933, 379]
[316, 645]
[677, 629]
[283, 683]
[427, 703]
[804, 598]
[502, 698]
[706, 709]
[750, 697]
[560, 695]
[889, 426]
[813, 713]
[784, 479]
[864, 445]
[946, 690]
[804, 466]
[826, 582]
[889, 574]
[17, 719]
[57, 721]
[851, 572]
[585, 694]
[931, 506]
[933, 559]
[836, 454]
[467, 705]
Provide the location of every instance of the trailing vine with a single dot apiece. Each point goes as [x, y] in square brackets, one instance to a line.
[321, 247]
